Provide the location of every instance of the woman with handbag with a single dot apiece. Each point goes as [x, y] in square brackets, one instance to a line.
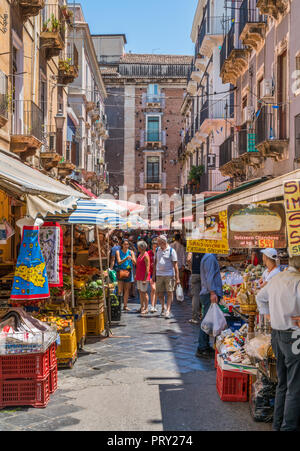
[126, 260]
[143, 276]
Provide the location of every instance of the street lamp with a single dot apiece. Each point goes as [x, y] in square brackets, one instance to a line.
[59, 120]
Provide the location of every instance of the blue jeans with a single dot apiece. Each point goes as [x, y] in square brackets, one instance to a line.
[203, 337]
[287, 403]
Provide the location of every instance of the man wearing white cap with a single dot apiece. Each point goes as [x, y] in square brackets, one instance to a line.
[270, 261]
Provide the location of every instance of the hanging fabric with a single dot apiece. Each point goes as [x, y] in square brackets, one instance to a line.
[51, 240]
[31, 280]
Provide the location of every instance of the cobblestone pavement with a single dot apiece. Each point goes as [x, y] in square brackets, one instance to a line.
[144, 378]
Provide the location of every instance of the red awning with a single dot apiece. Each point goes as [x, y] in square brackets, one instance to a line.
[85, 190]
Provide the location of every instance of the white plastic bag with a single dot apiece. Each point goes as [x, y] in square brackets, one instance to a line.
[214, 322]
[179, 293]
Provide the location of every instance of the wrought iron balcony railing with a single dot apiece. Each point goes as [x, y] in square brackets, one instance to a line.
[27, 119]
[226, 154]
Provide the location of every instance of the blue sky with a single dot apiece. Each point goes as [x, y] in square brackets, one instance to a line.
[153, 26]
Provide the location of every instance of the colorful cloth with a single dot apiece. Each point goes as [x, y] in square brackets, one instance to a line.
[51, 239]
[31, 280]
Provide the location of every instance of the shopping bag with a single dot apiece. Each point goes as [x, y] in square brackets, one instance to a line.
[214, 322]
[179, 293]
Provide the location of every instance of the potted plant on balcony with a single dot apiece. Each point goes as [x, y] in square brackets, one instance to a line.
[195, 174]
[67, 13]
[65, 65]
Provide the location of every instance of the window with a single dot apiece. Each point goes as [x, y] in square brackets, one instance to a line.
[153, 129]
[153, 169]
[153, 93]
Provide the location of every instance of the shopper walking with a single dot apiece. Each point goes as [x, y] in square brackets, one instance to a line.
[195, 261]
[166, 274]
[143, 275]
[153, 295]
[211, 293]
[181, 256]
[280, 299]
[126, 262]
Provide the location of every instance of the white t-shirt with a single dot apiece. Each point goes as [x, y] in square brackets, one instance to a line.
[267, 275]
[164, 262]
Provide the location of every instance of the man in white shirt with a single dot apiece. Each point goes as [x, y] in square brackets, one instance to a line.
[270, 261]
[280, 299]
[165, 273]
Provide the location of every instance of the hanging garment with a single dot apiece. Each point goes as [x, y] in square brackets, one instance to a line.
[31, 280]
[51, 240]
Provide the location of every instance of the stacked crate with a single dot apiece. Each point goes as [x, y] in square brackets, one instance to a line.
[94, 311]
[28, 379]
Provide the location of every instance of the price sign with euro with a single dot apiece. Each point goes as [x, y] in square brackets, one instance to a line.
[292, 210]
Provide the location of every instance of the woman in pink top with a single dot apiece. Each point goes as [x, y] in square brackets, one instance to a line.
[142, 275]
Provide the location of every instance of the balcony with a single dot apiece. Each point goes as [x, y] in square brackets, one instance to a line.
[4, 101]
[214, 113]
[192, 86]
[52, 35]
[210, 35]
[27, 128]
[234, 58]
[230, 166]
[153, 182]
[49, 155]
[68, 65]
[271, 133]
[252, 26]
[155, 101]
[65, 168]
[30, 8]
[273, 8]
[152, 140]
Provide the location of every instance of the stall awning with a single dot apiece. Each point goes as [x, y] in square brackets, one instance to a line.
[263, 190]
[84, 190]
[18, 178]
[42, 193]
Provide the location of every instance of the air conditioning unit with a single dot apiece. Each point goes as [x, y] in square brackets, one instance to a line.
[248, 114]
[267, 88]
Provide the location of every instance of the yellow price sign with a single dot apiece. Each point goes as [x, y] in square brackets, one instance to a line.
[265, 243]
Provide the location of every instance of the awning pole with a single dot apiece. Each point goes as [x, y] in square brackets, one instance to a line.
[107, 329]
[72, 266]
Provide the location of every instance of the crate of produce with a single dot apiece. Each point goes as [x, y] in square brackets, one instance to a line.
[68, 346]
[80, 327]
[95, 324]
[24, 392]
[25, 366]
[232, 387]
[53, 380]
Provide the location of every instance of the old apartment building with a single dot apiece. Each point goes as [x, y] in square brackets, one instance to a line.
[145, 93]
[208, 108]
[41, 46]
[260, 58]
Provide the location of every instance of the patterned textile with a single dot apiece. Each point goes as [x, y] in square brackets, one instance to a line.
[51, 239]
[31, 280]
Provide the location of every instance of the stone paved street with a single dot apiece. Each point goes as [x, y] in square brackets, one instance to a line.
[146, 378]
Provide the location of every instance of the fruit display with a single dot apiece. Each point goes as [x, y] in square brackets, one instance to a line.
[254, 272]
[62, 324]
[92, 290]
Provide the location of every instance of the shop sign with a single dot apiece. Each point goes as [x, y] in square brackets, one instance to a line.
[256, 226]
[292, 209]
[214, 237]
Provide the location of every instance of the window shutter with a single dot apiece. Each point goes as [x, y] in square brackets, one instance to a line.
[163, 100]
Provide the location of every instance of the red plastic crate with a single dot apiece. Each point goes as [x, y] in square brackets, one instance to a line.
[232, 387]
[27, 392]
[52, 356]
[53, 380]
[27, 366]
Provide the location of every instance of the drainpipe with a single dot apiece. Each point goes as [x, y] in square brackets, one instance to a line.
[34, 59]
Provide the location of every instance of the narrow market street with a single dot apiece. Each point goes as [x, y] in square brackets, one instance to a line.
[147, 378]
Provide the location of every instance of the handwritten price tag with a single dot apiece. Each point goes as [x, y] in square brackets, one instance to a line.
[265, 243]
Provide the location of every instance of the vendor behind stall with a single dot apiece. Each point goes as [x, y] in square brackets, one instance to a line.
[270, 260]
